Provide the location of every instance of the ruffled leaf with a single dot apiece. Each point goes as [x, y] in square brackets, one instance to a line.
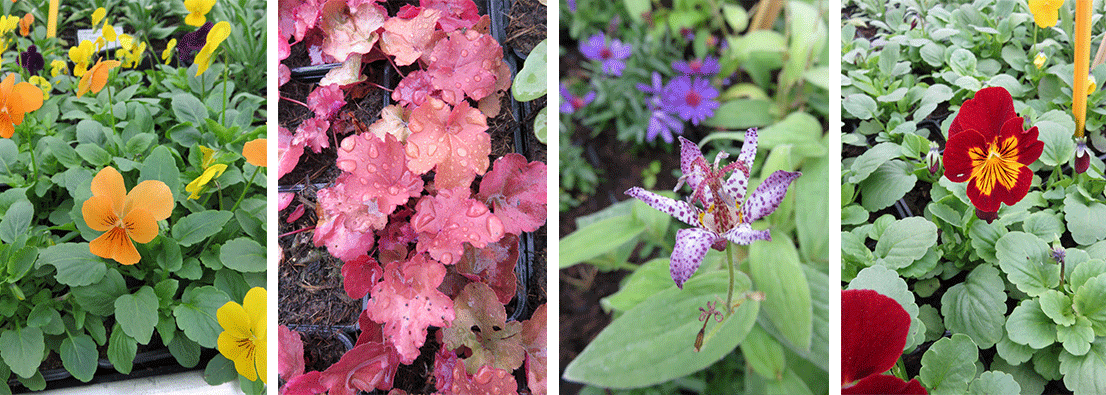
[408, 38]
[451, 378]
[408, 301]
[346, 224]
[493, 265]
[446, 221]
[533, 340]
[290, 355]
[456, 14]
[516, 192]
[377, 171]
[465, 63]
[451, 142]
[366, 367]
[348, 30]
[288, 152]
[496, 342]
[414, 89]
[360, 275]
[326, 100]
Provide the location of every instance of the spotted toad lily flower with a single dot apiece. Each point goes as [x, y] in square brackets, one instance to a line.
[990, 149]
[717, 208]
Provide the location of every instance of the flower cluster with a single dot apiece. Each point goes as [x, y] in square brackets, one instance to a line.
[718, 209]
[690, 96]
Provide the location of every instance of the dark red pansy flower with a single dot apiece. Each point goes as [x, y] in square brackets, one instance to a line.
[989, 148]
[873, 333]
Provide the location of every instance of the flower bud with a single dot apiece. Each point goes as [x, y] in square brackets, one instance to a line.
[1082, 155]
[1040, 60]
[933, 158]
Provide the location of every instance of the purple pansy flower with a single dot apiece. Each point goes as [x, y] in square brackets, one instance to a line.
[708, 66]
[571, 103]
[692, 99]
[717, 208]
[612, 54]
[192, 42]
[31, 60]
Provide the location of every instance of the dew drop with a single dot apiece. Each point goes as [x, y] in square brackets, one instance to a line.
[495, 227]
[373, 152]
[347, 165]
[447, 258]
[458, 85]
[477, 210]
[393, 190]
[462, 152]
[464, 53]
[476, 78]
[437, 104]
[432, 150]
[371, 168]
[412, 149]
[415, 127]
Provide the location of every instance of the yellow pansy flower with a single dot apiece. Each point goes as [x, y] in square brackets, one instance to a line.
[218, 33]
[98, 15]
[165, 55]
[1045, 12]
[43, 84]
[58, 66]
[197, 9]
[244, 338]
[200, 183]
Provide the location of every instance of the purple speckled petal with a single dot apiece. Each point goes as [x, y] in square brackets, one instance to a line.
[736, 185]
[749, 149]
[689, 153]
[744, 234]
[768, 195]
[676, 208]
[691, 246]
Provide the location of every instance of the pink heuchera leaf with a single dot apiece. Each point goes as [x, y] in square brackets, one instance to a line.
[534, 341]
[414, 89]
[453, 143]
[396, 237]
[359, 275]
[490, 104]
[408, 301]
[516, 191]
[346, 224]
[407, 38]
[290, 353]
[284, 199]
[366, 367]
[298, 16]
[312, 133]
[446, 221]
[376, 170]
[326, 100]
[496, 342]
[493, 265]
[284, 74]
[465, 63]
[347, 74]
[304, 384]
[451, 377]
[288, 152]
[350, 30]
[456, 14]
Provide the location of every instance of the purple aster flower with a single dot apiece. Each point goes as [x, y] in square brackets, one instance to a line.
[572, 5]
[656, 88]
[31, 60]
[571, 103]
[663, 124]
[693, 100]
[707, 67]
[612, 54]
[718, 209]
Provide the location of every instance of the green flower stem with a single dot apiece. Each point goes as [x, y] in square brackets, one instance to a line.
[226, 69]
[244, 189]
[729, 294]
[111, 109]
[34, 163]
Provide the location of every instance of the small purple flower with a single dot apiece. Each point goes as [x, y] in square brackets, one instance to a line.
[706, 67]
[572, 5]
[571, 103]
[662, 124]
[656, 88]
[31, 60]
[693, 100]
[597, 48]
[717, 208]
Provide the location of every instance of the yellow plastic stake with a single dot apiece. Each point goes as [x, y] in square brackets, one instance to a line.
[1082, 64]
[52, 20]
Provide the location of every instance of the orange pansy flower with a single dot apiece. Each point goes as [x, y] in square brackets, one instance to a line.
[15, 100]
[254, 151]
[96, 77]
[124, 216]
[25, 24]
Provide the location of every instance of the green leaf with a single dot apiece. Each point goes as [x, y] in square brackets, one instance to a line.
[1077, 338]
[742, 114]
[905, 241]
[763, 353]
[860, 106]
[1027, 263]
[888, 283]
[935, 326]
[1088, 303]
[735, 16]
[122, 350]
[984, 237]
[196, 314]
[47, 318]
[813, 235]
[78, 355]
[597, 239]
[870, 160]
[17, 220]
[1083, 374]
[197, 227]
[188, 108]
[890, 182]
[1084, 219]
[1045, 225]
[1085, 271]
[185, 351]
[541, 125]
[243, 254]
[137, 313]
[994, 383]
[141, 142]
[76, 264]
[219, 370]
[653, 342]
[1029, 325]
[1013, 352]
[161, 166]
[949, 365]
[976, 306]
[649, 278]
[22, 349]
[1031, 382]
[99, 298]
[775, 269]
[1058, 146]
[21, 262]
[529, 84]
[1057, 306]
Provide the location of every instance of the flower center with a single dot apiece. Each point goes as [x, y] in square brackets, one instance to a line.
[577, 102]
[605, 53]
[692, 98]
[695, 65]
[999, 165]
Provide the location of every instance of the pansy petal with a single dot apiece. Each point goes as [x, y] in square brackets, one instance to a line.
[873, 333]
[744, 234]
[1029, 147]
[689, 154]
[141, 226]
[958, 164]
[691, 246]
[768, 195]
[682, 210]
[254, 303]
[114, 244]
[885, 384]
[254, 152]
[6, 127]
[98, 213]
[985, 113]
[235, 321]
[152, 195]
[25, 97]
[260, 358]
[109, 184]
